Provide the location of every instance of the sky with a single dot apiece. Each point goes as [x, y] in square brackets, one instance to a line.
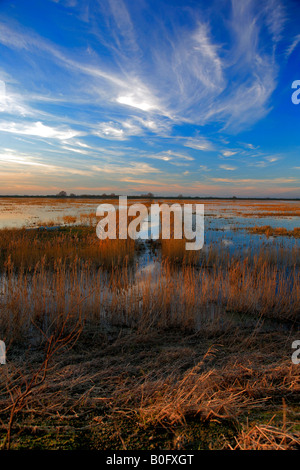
[172, 97]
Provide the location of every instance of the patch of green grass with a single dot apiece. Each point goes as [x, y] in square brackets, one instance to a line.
[125, 434]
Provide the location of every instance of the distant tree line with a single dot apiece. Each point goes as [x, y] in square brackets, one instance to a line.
[63, 194]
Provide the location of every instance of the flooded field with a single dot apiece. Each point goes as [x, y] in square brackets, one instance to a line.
[226, 221]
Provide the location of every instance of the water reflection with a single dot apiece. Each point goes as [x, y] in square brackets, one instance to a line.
[225, 221]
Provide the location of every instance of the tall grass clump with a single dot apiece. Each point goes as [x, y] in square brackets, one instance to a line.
[167, 297]
[26, 248]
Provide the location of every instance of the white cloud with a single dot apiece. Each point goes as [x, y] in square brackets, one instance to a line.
[293, 46]
[179, 155]
[135, 168]
[187, 75]
[209, 66]
[135, 102]
[204, 168]
[228, 153]
[12, 103]
[109, 130]
[272, 159]
[199, 144]
[9, 156]
[122, 129]
[38, 129]
[14, 162]
[275, 19]
[171, 156]
[250, 146]
[228, 167]
[76, 150]
[269, 181]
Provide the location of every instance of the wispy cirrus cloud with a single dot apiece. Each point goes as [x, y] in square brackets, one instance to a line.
[293, 46]
[12, 103]
[130, 168]
[247, 98]
[38, 129]
[228, 153]
[171, 157]
[257, 181]
[17, 161]
[200, 143]
[231, 84]
[228, 167]
[123, 129]
[148, 87]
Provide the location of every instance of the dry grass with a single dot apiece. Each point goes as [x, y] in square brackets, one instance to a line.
[248, 209]
[275, 231]
[116, 386]
[174, 252]
[266, 437]
[181, 296]
[198, 340]
[26, 248]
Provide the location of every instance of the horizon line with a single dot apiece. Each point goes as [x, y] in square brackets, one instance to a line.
[144, 196]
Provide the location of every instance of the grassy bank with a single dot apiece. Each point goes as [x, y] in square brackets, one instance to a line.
[120, 389]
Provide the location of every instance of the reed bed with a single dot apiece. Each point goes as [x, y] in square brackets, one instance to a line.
[26, 248]
[197, 341]
[167, 297]
[275, 231]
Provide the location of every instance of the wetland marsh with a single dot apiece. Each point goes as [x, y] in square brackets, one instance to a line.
[132, 344]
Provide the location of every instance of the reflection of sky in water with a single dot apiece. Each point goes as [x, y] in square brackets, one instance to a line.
[216, 231]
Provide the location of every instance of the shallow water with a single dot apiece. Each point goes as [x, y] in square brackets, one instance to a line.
[225, 221]
[224, 226]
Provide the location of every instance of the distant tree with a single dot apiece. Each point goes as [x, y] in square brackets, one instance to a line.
[62, 194]
[180, 196]
[72, 195]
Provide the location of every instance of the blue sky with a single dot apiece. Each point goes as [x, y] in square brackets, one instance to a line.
[167, 96]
